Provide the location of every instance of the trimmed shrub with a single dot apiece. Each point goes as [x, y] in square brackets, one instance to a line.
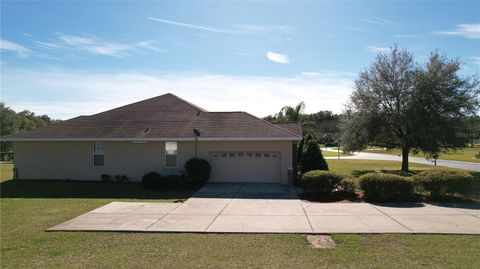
[320, 182]
[106, 177]
[440, 182]
[347, 186]
[387, 187]
[152, 180]
[198, 170]
[121, 178]
[312, 158]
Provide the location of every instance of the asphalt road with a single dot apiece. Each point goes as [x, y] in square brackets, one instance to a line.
[387, 157]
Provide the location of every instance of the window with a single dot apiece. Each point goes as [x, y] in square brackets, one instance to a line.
[98, 155]
[171, 154]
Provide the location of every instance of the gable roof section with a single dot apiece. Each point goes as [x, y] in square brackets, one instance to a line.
[295, 128]
[166, 117]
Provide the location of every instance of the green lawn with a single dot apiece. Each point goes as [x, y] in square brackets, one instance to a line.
[358, 167]
[465, 154]
[29, 207]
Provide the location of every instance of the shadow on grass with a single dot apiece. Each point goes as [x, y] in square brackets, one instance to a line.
[87, 189]
[357, 173]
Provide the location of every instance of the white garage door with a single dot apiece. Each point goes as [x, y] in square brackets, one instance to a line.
[239, 166]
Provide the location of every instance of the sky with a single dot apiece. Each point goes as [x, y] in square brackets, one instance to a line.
[71, 58]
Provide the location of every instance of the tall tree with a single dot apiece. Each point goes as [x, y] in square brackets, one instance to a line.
[397, 102]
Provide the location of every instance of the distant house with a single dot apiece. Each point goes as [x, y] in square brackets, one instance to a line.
[158, 134]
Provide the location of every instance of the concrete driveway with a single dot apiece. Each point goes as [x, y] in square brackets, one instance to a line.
[273, 208]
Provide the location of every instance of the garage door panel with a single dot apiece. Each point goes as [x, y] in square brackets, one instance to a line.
[245, 166]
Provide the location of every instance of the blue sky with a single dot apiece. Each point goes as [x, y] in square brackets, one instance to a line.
[69, 58]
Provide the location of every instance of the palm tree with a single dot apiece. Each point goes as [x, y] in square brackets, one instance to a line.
[295, 114]
[292, 114]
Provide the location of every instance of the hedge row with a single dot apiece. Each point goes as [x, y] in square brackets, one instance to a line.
[388, 187]
[395, 188]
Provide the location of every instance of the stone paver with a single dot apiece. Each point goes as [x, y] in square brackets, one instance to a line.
[273, 208]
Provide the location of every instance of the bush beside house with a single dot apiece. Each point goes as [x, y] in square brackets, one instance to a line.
[198, 170]
[311, 157]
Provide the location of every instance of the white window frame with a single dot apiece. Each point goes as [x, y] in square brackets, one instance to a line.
[176, 155]
[98, 150]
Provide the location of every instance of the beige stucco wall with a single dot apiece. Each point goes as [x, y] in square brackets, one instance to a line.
[74, 160]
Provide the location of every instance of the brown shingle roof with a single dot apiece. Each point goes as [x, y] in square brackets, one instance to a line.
[295, 128]
[165, 116]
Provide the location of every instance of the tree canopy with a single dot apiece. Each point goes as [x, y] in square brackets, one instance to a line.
[397, 102]
[12, 122]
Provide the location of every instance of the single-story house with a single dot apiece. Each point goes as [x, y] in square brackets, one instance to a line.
[159, 134]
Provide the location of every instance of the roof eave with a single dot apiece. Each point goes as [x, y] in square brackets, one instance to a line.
[132, 139]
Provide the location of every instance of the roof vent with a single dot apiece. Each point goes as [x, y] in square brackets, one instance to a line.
[146, 130]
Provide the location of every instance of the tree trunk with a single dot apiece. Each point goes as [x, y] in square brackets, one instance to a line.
[405, 152]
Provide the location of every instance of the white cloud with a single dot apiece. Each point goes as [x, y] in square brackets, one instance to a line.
[277, 57]
[191, 25]
[236, 29]
[476, 60]
[65, 94]
[97, 46]
[257, 28]
[15, 48]
[358, 29]
[149, 45]
[73, 40]
[94, 45]
[328, 73]
[378, 21]
[466, 30]
[375, 49]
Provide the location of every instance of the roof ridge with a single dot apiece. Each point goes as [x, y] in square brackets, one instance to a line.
[186, 102]
[148, 99]
[288, 131]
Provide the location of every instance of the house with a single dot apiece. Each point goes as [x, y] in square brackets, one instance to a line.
[157, 134]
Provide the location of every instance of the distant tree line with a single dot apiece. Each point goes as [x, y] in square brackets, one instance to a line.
[12, 122]
[323, 125]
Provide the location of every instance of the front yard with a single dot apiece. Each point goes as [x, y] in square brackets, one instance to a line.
[28, 208]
